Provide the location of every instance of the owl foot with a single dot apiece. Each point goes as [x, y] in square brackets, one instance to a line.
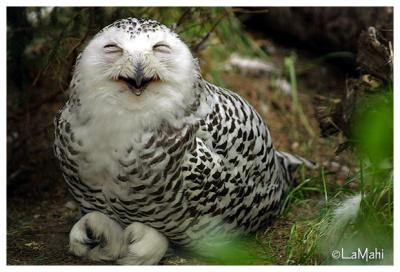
[96, 237]
[143, 245]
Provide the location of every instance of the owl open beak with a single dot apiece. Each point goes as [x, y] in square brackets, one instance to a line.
[137, 85]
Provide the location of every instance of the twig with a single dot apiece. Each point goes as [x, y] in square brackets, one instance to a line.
[188, 27]
[83, 39]
[52, 96]
[196, 47]
[72, 54]
[182, 18]
[52, 53]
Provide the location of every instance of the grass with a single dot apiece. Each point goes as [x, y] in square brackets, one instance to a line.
[372, 226]
[289, 64]
[307, 214]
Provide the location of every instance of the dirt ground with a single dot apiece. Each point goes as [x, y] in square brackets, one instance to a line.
[38, 224]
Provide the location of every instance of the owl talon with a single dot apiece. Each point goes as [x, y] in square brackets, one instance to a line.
[96, 237]
[143, 245]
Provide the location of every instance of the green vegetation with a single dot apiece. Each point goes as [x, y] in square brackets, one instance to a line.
[338, 222]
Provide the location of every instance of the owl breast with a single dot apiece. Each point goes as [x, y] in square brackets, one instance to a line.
[130, 175]
[192, 178]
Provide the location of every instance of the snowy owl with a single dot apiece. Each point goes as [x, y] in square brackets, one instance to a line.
[155, 155]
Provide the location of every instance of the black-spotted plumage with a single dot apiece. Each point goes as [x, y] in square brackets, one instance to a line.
[216, 173]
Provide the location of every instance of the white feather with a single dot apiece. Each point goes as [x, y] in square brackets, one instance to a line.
[343, 215]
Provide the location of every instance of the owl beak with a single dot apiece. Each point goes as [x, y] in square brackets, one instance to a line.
[139, 82]
[136, 85]
[139, 76]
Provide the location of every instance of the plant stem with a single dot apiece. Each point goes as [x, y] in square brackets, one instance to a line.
[289, 64]
[324, 183]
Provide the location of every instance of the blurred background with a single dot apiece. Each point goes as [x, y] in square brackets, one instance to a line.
[320, 77]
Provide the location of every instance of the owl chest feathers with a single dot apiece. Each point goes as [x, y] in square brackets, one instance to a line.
[115, 149]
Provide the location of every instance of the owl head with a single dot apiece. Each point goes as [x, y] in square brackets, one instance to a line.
[137, 64]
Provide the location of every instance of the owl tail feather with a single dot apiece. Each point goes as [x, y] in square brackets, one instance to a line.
[292, 162]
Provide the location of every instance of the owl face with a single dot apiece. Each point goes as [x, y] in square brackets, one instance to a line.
[136, 58]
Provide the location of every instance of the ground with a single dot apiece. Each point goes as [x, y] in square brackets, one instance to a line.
[38, 224]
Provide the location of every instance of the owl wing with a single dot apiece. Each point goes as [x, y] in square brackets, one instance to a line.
[234, 162]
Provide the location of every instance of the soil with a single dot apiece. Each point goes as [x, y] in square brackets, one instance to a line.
[38, 220]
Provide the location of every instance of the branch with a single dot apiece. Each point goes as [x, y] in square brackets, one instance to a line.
[197, 46]
[52, 52]
[30, 108]
[182, 18]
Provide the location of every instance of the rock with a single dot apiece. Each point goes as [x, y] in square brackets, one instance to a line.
[264, 107]
[331, 165]
[250, 66]
[72, 205]
[283, 85]
[343, 173]
[295, 145]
